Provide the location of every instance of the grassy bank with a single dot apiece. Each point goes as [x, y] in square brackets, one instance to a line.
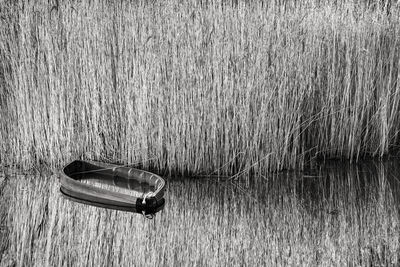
[192, 88]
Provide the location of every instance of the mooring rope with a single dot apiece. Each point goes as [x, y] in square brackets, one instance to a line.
[151, 215]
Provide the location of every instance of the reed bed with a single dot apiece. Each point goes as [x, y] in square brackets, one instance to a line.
[192, 87]
[334, 216]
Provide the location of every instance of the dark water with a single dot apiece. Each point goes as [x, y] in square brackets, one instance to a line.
[334, 214]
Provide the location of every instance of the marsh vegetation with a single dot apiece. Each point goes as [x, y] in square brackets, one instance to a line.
[194, 86]
[237, 89]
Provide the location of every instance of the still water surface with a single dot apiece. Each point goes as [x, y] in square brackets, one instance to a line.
[336, 214]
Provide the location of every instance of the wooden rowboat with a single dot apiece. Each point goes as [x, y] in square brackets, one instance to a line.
[74, 189]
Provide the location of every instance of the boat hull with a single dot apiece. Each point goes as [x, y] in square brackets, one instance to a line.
[73, 189]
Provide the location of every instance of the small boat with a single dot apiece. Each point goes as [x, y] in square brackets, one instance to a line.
[148, 204]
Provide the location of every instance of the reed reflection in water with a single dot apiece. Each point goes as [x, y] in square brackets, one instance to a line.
[331, 215]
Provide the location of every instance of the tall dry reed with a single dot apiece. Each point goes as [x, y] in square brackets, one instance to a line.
[198, 87]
